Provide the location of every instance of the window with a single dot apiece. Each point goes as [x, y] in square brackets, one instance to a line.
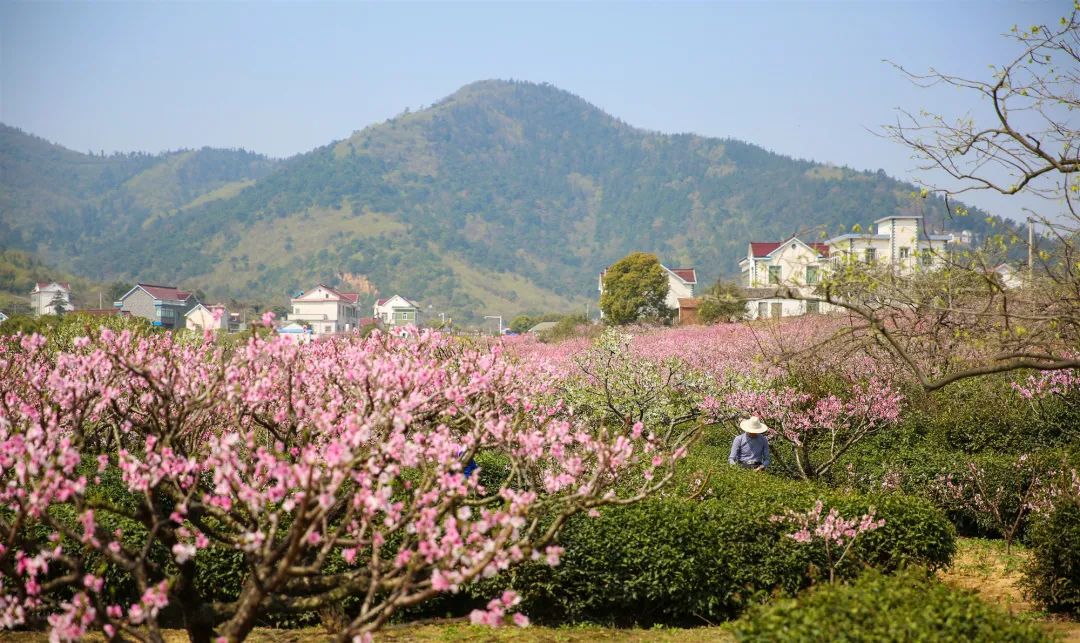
[811, 275]
[777, 310]
[774, 274]
[905, 252]
[762, 310]
[927, 258]
[871, 255]
[813, 307]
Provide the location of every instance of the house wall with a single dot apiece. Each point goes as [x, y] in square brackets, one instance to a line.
[203, 319]
[140, 304]
[788, 307]
[325, 317]
[40, 302]
[677, 289]
[793, 260]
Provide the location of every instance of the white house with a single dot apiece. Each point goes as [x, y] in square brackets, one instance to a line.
[46, 295]
[681, 284]
[213, 317]
[3, 317]
[325, 310]
[792, 263]
[397, 311]
[897, 242]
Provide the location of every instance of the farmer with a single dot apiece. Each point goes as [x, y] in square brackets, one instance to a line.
[750, 449]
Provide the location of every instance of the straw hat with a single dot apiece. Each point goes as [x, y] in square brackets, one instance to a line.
[753, 425]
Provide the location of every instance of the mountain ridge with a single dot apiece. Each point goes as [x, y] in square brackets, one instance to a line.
[503, 197]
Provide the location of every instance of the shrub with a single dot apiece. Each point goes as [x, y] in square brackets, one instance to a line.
[677, 561]
[1053, 575]
[909, 606]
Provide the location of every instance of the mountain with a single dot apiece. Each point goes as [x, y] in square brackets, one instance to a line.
[502, 198]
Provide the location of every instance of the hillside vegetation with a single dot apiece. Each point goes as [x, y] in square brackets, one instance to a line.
[505, 197]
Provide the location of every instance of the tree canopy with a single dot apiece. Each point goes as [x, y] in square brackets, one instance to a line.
[634, 290]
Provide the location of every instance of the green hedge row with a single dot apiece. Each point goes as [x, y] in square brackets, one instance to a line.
[683, 562]
[1053, 575]
[908, 606]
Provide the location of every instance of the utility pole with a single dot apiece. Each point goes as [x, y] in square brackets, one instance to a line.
[499, 317]
[1031, 244]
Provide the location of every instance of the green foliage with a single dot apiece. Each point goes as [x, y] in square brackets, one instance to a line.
[723, 302]
[909, 606]
[681, 561]
[1053, 574]
[635, 288]
[60, 331]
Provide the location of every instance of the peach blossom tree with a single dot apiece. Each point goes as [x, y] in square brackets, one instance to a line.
[335, 469]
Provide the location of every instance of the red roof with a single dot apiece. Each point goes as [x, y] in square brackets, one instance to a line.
[45, 284]
[686, 274]
[380, 302]
[171, 293]
[366, 321]
[765, 248]
[350, 296]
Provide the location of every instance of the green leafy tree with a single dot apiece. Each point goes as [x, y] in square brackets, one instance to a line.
[58, 304]
[521, 323]
[723, 302]
[634, 290]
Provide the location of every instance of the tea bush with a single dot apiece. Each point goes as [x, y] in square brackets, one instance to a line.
[908, 606]
[684, 562]
[1053, 575]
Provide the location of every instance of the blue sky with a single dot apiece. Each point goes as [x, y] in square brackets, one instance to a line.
[804, 79]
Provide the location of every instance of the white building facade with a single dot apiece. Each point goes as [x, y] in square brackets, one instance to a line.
[325, 310]
[397, 311]
[47, 296]
[213, 317]
[898, 242]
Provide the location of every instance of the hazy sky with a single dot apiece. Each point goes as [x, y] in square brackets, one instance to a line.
[803, 79]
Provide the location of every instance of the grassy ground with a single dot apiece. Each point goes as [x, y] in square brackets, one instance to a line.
[980, 565]
[983, 566]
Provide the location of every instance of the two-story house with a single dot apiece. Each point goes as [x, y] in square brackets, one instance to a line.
[397, 311]
[681, 284]
[772, 264]
[325, 310]
[48, 298]
[164, 306]
[897, 242]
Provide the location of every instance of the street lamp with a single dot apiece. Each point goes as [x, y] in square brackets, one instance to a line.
[499, 317]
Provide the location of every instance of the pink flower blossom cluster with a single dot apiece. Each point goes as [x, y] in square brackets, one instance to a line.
[337, 467]
[836, 533]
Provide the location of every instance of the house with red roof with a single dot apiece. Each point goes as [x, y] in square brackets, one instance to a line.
[899, 244]
[325, 310]
[681, 284]
[791, 263]
[397, 311]
[164, 306]
[48, 296]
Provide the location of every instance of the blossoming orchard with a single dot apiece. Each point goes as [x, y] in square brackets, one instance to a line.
[359, 478]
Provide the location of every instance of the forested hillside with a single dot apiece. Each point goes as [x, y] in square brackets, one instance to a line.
[505, 197]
